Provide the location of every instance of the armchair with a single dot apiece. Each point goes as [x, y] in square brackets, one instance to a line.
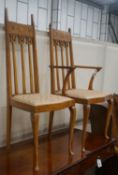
[63, 79]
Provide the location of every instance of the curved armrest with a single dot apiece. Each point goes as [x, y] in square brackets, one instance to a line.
[88, 67]
[72, 68]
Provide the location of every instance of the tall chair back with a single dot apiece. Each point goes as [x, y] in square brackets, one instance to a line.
[21, 55]
[61, 55]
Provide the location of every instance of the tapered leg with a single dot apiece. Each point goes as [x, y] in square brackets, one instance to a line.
[31, 117]
[35, 123]
[108, 117]
[72, 124]
[9, 121]
[86, 112]
[50, 123]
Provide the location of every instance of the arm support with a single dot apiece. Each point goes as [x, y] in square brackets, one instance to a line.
[72, 68]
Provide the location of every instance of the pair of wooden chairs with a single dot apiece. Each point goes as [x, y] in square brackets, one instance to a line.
[20, 37]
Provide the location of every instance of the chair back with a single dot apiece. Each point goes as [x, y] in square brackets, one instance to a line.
[21, 58]
[61, 54]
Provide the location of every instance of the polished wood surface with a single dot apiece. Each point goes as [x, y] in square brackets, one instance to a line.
[115, 120]
[62, 72]
[54, 158]
[21, 45]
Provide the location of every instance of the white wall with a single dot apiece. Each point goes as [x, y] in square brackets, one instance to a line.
[86, 52]
[111, 68]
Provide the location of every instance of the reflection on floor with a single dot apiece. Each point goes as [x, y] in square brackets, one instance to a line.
[54, 157]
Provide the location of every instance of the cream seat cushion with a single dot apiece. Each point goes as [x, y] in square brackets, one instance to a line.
[86, 94]
[40, 100]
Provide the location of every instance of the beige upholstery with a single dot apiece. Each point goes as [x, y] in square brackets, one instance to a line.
[40, 100]
[85, 94]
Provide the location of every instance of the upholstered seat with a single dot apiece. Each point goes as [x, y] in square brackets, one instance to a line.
[38, 100]
[86, 94]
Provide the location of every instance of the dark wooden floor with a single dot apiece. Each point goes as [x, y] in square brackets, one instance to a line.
[53, 154]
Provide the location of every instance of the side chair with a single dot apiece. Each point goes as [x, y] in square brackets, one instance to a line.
[20, 38]
[63, 80]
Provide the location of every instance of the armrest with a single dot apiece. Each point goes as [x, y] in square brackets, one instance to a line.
[76, 66]
[97, 69]
[61, 67]
[88, 67]
[72, 68]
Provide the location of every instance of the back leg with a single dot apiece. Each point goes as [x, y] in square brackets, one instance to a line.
[108, 117]
[51, 117]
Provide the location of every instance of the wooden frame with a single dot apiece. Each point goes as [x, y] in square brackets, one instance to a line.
[23, 36]
[61, 42]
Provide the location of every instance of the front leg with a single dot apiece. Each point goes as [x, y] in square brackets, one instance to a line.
[35, 124]
[86, 112]
[72, 124]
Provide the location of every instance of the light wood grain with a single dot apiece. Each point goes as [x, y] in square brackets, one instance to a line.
[23, 36]
[69, 83]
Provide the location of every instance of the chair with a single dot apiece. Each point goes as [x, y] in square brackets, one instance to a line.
[63, 79]
[20, 39]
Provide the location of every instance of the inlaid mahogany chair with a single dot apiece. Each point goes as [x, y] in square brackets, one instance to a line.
[63, 79]
[20, 38]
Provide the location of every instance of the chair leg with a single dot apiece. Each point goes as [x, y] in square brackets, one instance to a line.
[72, 124]
[9, 121]
[86, 112]
[108, 117]
[50, 123]
[31, 117]
[35, 123]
